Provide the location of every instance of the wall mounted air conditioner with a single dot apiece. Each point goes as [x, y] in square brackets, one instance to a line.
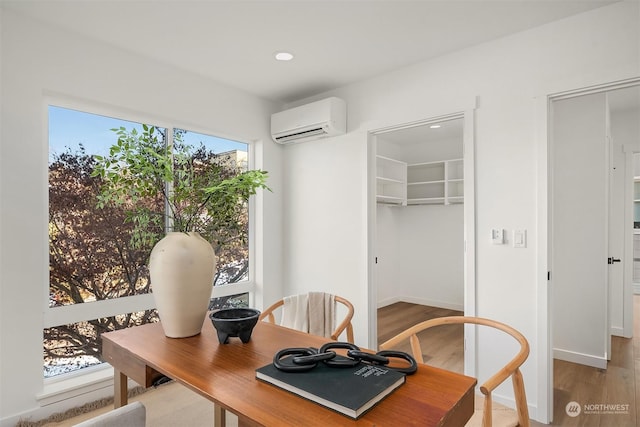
[319, 119]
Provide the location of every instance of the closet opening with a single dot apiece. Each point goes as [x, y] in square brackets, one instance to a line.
[422, 216]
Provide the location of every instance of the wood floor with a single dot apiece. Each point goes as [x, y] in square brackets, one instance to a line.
[442, 346]
[618, 385]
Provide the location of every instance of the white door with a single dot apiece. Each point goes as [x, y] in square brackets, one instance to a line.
[619, 300]
[624, 108]
[579, 230]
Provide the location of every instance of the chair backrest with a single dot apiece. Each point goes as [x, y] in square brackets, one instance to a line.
[511, 369]
[132, 415]
[345, 324]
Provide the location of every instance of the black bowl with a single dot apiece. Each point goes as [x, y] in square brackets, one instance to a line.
[234, 322]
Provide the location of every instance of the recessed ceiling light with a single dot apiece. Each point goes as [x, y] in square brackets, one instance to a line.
[434, 126]
[284, 56]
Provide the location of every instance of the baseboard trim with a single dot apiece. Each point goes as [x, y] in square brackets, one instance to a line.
[617, 331]
[580, 358]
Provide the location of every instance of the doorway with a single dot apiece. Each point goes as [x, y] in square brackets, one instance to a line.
[592, 136]
[421, 211]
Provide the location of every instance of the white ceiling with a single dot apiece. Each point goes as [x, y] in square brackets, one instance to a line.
[335, 42]
[449, 130]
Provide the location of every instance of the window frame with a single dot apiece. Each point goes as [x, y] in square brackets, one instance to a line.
[63, 315]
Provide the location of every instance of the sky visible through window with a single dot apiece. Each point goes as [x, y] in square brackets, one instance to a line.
[70, 128]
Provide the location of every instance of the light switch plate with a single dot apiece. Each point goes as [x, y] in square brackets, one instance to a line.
[519, 238]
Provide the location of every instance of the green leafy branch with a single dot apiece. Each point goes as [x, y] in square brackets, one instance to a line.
[196, 190]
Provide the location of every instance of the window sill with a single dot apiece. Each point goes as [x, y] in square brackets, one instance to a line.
[56, 390]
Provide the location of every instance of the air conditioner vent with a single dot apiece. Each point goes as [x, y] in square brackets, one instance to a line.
[302, 134]
[311, 121]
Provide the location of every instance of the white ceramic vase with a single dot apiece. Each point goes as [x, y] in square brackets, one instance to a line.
[182, 267]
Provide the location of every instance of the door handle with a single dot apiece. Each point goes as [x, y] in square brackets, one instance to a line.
[612, 260]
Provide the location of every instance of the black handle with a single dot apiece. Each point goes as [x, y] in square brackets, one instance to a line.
[612, 260]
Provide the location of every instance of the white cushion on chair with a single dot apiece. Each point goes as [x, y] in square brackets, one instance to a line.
[132, 415]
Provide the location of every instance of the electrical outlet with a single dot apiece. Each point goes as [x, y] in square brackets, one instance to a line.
[497, 236]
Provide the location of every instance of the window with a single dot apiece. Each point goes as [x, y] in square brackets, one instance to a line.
[93, 255]
[90, 255]
[232, 158]
[75, 346]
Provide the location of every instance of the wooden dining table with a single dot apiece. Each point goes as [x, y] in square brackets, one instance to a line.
[225, 375]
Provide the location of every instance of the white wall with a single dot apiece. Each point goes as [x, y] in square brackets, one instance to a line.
[38, 61]
[507, 76]
[324, 216]
[421, 255]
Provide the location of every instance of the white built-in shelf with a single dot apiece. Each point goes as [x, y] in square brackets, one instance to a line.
[426, 201]
[438, 182]
[425, 183]
[391, 200]
[391, 181]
